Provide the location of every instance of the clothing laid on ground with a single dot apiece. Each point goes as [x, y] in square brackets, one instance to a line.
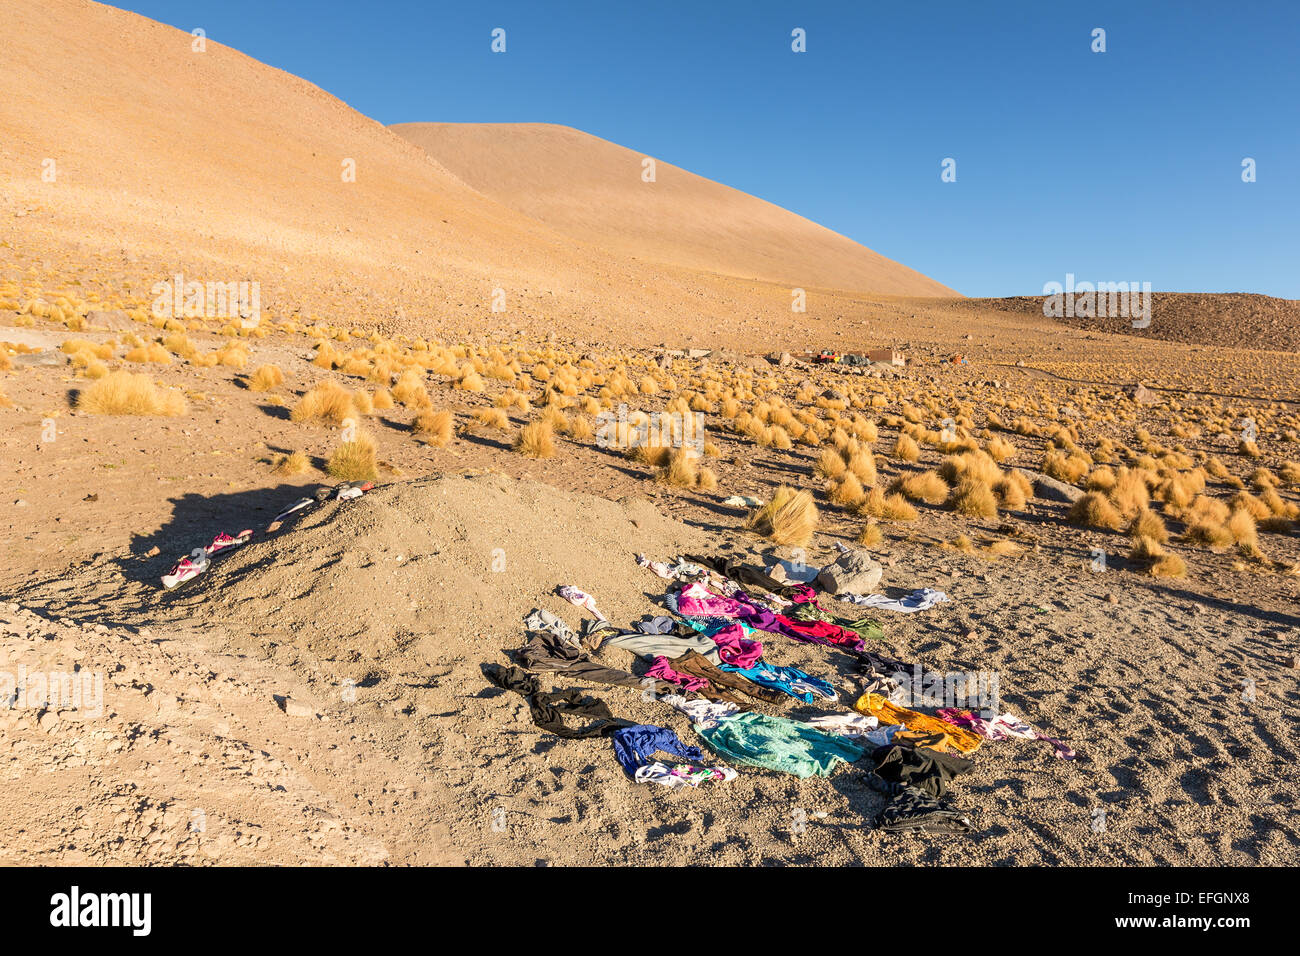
[669, 572]
[542, 620]
[546, 652]
[1002, 727]
[669, 645]
[663, 624]
[580, 598]
[864, 627]
[790, 680]
[741, 573]
[912, 811]
[723, 685]
[949, 736]
[856, 725]
[662, 669]
[921, 600]
[635, 745]
[704, 713]
[682, 774]
[697, 601]
[918, 767]
[734, 648]
[548, 710]
[778, 743]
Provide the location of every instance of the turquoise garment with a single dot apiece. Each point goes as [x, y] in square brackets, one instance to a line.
[778, 743]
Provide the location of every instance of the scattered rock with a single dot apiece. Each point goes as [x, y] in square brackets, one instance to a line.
[1053, 490]
[1143, 395]
[854, 571]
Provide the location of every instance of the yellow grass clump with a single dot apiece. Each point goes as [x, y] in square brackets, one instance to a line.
[973, 497]
[906, 449]
[536, 440]
[847, 492]
[433, 428]
[1148, 524]
[127, 393]
[265, 378]
[492, 417]
[354, 460]
[925, 486]
[1094, 510]
[326, 401]
[790, 518]
[294, 463]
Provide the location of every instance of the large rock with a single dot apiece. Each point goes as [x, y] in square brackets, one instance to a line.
[48, 357]
[1049, 488]
[1143, 395]
[854, 572]
[113, 320]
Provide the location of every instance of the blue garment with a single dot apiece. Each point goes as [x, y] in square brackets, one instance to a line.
[634, 746]
[791, 680]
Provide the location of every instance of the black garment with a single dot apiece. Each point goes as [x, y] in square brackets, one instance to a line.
[918, 767]
[545, 652]
[742, 574]
[548, 710]
[912, 811]
[878, 665]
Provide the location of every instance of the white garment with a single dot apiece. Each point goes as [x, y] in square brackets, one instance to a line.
[921, 600]
[657, 772]
[580, 598]
[702, 713]
[859, 726]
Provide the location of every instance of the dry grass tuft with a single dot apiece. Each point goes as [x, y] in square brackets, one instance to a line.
[126, 393]
[973, 497]
[924, 486]
[790, 518]
[536, 440]
[327, 402]
[433, 428]
[265, 378]
[1094, 510]
[354, 460]
[294, 463]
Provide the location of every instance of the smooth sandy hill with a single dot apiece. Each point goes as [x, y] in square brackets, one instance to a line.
[215, 165]
[592, 189]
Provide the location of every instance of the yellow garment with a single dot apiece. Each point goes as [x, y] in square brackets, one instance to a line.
[959, 738]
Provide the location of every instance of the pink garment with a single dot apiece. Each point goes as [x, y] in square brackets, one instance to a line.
[1002, 727]
[734, 648]
[698, 601]
[802, 594]
[580, 598]
[662, 670]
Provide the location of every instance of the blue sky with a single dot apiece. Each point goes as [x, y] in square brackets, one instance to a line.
[1116, 166]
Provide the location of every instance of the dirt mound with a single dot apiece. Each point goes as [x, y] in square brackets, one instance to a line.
[1230, 319]
[437, 566]
[592, 190]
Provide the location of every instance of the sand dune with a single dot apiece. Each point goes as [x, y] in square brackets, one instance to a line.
[594, 190]
[168, 159]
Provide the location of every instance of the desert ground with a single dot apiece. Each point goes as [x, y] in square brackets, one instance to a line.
[1112, 511]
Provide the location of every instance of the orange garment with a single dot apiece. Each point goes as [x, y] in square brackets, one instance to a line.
[918, 725]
